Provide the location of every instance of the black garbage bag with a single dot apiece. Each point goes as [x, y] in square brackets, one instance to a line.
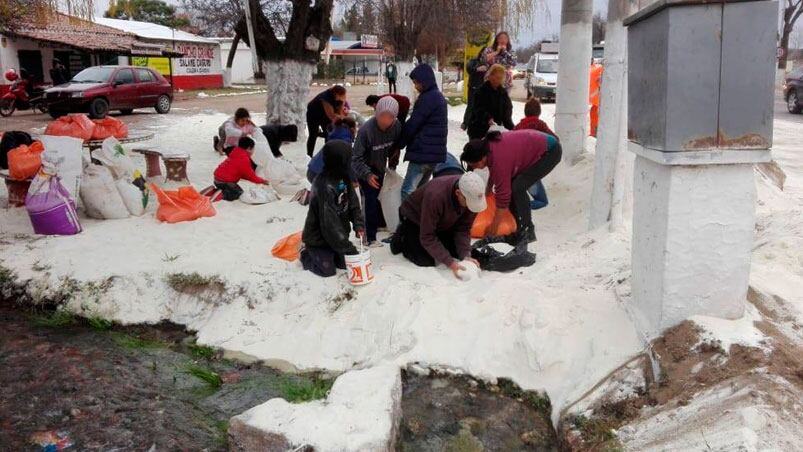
[11, 140]
[492, 260]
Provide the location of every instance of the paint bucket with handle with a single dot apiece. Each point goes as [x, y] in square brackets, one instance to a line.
[358, 265]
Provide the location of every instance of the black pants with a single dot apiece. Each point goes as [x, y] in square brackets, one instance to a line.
[407, 241]
[323, 261]
[469, 106]
[231, 191]
[392, 85]
[520, 202]
[373, 209]
[315, 129]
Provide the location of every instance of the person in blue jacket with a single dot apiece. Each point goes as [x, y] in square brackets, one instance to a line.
[345, 129]
[424, 133]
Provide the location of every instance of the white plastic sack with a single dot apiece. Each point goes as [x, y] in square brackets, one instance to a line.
[100, 196]
[113, 155]
[65, 156]
[132, 197]
[261, 149]
[256, 194]
[390, 198]
[282, 174]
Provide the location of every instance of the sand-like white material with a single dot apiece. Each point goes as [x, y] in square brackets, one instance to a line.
[361, 413]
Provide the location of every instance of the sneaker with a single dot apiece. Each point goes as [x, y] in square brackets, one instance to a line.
[375, 244]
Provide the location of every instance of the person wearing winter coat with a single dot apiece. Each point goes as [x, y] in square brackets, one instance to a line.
[277, 134]
[229, 133]
[425, 133]
[532, 120]
[391, 73]
[322, 111]
[344, 129]
[500, 52]
[516, 161]
[377, 141]
[492, 105]
[334, 209]
[476, 78]
[403, 101]
[234, 168]
[436, 221]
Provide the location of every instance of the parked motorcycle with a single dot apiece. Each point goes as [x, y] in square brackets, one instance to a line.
[17, 97]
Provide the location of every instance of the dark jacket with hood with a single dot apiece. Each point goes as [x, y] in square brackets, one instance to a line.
[334, 204]
[425, 132]
[490, 103]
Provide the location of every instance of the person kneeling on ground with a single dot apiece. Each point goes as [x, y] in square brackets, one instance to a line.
[232, 129]
[277, 134]
[403, 101]
[436, 221]
[236, 167]
[333, 205]
[377, 141]
[516, 160]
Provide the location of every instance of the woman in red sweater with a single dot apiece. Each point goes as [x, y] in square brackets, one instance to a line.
[515, 160]
[236, 167]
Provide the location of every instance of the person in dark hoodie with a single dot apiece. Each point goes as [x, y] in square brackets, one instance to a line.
[425, 133]
[334, 207]
[436, 221]
[277, 135]
[377, 141]
[492, 105]
[323, 110]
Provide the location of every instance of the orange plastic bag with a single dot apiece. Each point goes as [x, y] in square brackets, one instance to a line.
[506, 226]
[184, 204]
[77, 126]
[24, 161]
[288, 248]
[109, 127]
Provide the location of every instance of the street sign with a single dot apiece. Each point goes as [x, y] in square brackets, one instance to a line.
[369, 41]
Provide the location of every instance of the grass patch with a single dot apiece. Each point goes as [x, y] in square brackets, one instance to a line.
[597, 433]
[40, 267]
[202, 351]
[194, 282]
[208, 376]
[135, 343]
[100, 324]
[297, 391]
[170, 257]
[55, 319]
[534, 399]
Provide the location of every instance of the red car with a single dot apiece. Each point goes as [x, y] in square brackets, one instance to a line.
[98, 89]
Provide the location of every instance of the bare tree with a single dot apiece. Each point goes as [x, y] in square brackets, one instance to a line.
[791, 12]
[14, 12]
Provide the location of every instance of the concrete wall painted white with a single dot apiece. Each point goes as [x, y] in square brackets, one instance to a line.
[9, 60]
[241, 70]
[692, 238]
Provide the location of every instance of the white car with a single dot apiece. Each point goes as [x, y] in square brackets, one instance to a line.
[542, 76]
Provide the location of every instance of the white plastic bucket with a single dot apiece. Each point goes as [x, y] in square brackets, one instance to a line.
[358, 267]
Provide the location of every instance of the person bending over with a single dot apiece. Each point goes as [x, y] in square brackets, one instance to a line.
[436, 221]
[516, 160]
[277, 135]
[333, 208]
[322, 111]
[234, 168]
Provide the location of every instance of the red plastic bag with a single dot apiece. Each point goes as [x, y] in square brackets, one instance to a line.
[288, 248]
[109, 127]
[506, 226]
[24, 161]
[184, 204]
[78, 126]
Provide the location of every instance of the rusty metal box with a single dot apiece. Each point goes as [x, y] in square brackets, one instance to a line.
[701, 75]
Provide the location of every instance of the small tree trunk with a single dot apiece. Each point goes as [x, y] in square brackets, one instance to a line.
[571, 111]
[233, 51]
[288, 88]
[784, 44]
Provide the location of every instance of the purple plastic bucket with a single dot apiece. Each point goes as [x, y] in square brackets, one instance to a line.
[52, 211]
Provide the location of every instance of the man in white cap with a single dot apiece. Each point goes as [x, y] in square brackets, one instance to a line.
[436, 221]
[377, 141]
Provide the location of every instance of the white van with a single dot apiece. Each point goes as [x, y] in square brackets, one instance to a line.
[542, 76]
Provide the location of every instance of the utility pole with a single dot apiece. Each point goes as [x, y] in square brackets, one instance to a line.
[252, 44]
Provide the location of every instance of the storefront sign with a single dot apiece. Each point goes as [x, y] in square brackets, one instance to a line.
[159, 64]
[196, 59]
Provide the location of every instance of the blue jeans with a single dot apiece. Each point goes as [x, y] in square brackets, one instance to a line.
[417, 175]
[538, 193]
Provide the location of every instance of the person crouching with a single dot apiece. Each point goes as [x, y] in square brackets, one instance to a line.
[436, 221]
[333, 207]
[236, 167]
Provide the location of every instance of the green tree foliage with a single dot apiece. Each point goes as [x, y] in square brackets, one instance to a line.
[154, 11]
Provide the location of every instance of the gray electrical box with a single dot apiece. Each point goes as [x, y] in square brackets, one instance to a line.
[701, 75]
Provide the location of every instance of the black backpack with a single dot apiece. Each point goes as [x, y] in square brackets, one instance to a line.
[11, 140]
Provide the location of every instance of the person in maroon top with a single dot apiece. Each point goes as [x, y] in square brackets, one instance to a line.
[532, 118]
[236, 167]
[404, 104]
[436, 221]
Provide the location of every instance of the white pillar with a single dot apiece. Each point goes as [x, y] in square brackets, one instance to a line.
[251, 40]
[693, 222]
[571, 111]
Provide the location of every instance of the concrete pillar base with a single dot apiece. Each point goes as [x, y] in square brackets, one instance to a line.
[693, 222]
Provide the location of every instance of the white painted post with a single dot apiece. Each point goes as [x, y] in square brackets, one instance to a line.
[252, 43]
[571, 111]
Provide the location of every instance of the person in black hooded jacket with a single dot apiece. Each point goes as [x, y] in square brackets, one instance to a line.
[492, 105]
[334, 206]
